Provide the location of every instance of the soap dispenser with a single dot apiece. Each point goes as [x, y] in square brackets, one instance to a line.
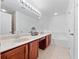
[33, 31]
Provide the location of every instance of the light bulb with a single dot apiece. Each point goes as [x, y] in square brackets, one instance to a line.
[3, 10]
[55, 14]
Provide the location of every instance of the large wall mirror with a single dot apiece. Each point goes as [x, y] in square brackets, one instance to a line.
[7, 23]
[7, 20]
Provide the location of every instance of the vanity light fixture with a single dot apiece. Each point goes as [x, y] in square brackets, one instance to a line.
[31, 8]
[56, 14]
[24, 1]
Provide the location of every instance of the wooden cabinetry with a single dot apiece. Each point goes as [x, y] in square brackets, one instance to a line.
[43, 44]
[49, 37]
[17, 53]
[33, 49]
[48, 40]
[27, 51]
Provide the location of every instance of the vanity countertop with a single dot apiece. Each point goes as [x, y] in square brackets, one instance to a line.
[7, 43]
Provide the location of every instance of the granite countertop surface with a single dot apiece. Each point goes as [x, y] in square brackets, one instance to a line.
[13, 41]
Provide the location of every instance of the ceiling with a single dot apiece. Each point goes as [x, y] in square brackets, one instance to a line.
[48, 7]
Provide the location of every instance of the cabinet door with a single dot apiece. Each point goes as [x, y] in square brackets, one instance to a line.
[49, 36]
[17, 53]
[26, 52]
[33, 49]
[48, 40]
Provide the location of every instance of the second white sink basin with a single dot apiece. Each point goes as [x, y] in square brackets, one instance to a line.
[21, 39]
[13, 41]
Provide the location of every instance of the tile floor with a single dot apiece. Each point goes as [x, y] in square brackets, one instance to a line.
[56, 52]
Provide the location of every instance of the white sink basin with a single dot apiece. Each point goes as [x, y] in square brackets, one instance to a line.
[12, 41]
[20, 40]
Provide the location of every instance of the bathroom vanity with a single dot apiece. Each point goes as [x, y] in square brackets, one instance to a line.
[26, 49]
